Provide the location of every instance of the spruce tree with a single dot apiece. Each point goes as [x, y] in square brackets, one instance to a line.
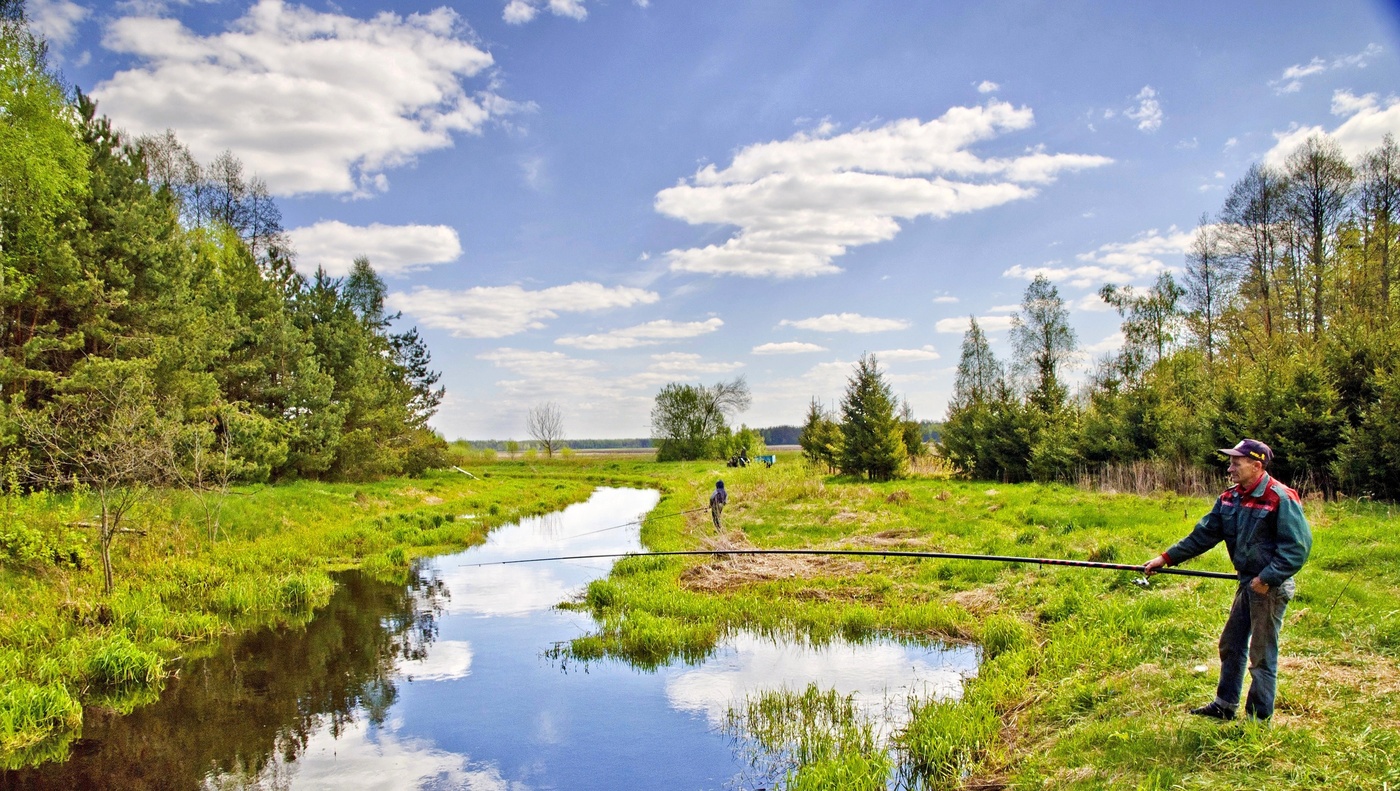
[872, 438]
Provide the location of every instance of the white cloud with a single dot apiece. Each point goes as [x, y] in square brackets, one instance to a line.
[787, 347]
[801, 202]
[1091, 303]
[648, 334]
[338, 100]
[391, 249]
[518, 12]
[959, 325]
[1109, 345]
[1116, 262]
[55, 20]
[1368, 120]
[679, 366]
[987, 86]
[921, 354]
[1231, 143]
[945, 300]
[1003, 308]
[846, 322]
[1148, 111]
[1291, 81]
[692, 364]
[498, 311]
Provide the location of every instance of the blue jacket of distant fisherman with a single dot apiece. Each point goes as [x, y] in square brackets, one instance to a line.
[1264, 530]
[720, 498]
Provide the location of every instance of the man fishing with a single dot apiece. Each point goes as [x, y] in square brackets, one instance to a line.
[1262, 524]
[717, 502]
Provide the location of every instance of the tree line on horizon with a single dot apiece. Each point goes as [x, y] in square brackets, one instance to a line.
[1281, 327]
[153, 327]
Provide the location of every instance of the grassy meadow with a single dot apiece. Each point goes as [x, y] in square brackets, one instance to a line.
[1086, 678]
[1085, 681]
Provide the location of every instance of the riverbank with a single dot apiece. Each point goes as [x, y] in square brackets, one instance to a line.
[1086, 677]
[67, 647]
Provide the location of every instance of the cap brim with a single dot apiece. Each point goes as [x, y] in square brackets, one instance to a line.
[1232, 452]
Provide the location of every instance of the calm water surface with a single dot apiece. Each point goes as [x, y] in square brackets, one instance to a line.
[444, 684]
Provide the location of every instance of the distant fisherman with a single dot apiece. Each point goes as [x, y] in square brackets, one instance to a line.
[1262, 524]
[717, 502]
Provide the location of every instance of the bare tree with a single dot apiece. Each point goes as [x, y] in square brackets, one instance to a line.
[1209, 284]
[1319, 186]
[545, 422]
[1254, 216]
[108, 438]
[201, 461]
[1380, 209]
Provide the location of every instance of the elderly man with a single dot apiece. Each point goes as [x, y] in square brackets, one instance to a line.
[1262, 524]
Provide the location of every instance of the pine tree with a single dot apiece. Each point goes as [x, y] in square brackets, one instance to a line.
[872, 439]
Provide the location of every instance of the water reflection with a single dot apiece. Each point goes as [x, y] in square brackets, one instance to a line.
[442, 685]
[881, 676]
[263, 700]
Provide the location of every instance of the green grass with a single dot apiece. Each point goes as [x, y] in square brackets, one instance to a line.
[65, 644]
[1086, 677]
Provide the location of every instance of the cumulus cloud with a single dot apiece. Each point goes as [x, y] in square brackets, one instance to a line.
[1368, 120]
[846, 322]
[1109, 345]
[499, 311]
[648, 334]
[1291, 81]
[787, 347]
[391, 249]
[959, 325]
[1116, 262]
[945, 300]
[801, 202]
[518, 12]
[55, 20]
[921, 354]
[339, 100]
[1148, 111]
[680, 366]
[987, 86]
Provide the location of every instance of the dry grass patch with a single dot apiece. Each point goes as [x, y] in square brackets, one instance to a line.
[726, 573]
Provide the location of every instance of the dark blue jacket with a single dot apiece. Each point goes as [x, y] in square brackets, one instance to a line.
[1264, 529]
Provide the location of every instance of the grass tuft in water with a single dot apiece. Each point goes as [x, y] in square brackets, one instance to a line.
[811, 739]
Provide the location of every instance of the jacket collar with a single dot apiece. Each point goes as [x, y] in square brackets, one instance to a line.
[1259, 488]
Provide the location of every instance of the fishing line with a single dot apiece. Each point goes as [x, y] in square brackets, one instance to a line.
[633, 522]
[884, 553]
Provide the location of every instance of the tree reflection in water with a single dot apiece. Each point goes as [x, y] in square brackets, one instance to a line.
[259, 699]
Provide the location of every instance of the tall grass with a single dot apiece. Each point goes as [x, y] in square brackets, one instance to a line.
[64, 643]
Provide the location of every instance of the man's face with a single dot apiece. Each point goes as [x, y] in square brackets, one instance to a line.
[1244, 470]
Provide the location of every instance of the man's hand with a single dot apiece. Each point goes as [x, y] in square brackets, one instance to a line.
[1258, 586]
[1150, 567]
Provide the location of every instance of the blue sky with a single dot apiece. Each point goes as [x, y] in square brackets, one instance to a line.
[581, 201]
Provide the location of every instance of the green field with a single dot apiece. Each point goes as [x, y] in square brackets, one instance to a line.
[1085, 681]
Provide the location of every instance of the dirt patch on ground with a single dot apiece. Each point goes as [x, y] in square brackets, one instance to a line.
[1375, 676]
[432, 500]
[978, 600]
[728, 572]
[853, 517]
[908, 539]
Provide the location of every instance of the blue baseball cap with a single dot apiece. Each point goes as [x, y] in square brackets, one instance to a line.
[1252, 449]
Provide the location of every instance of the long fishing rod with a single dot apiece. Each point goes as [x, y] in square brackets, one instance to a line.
[884, 553]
